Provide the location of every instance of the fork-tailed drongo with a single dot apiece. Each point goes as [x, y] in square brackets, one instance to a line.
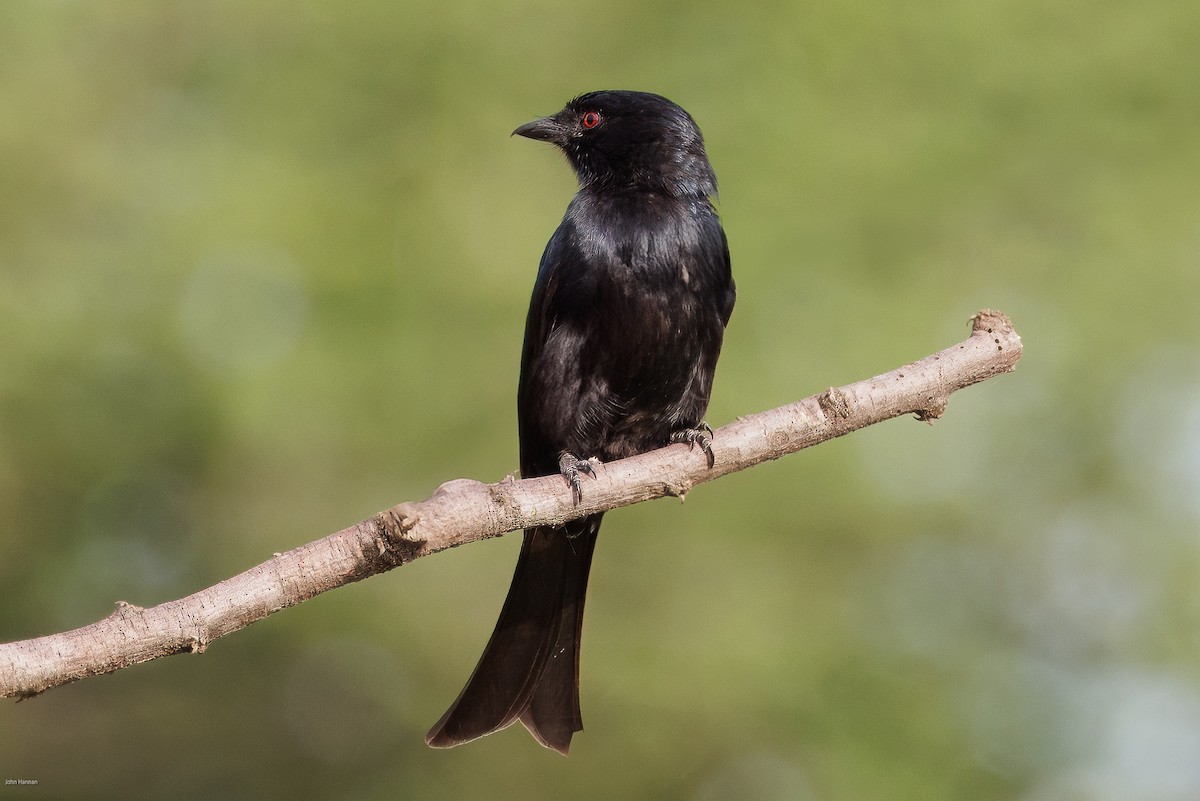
[624, 329]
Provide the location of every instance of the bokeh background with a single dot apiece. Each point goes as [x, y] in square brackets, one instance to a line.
[263, 272]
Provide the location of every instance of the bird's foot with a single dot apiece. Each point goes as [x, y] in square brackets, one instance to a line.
[700, 435]
[572, 467]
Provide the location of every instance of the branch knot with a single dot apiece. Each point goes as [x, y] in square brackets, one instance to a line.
[835, 404]
[394, 542]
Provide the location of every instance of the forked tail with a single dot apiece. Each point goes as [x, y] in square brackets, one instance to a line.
[529, 670]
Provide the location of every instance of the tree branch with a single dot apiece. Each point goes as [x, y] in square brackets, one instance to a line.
[463, 511]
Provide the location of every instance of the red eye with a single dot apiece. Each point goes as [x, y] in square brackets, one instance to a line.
[590, 119]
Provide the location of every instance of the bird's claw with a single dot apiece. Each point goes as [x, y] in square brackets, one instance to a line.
[701, 435]
[571, 467]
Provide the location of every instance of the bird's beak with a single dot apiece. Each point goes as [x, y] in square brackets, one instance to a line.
[546, 129]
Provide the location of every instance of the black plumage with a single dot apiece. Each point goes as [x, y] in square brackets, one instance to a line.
[625, 325]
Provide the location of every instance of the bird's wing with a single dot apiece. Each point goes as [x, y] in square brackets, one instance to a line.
[560, 261]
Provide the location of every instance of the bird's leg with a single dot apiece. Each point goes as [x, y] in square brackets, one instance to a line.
[700, 435]
[571, 467]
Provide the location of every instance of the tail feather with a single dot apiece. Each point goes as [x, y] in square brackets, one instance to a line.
[552, 715]
[530, 667]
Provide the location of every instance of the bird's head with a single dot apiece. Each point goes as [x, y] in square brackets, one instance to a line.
[629, 140]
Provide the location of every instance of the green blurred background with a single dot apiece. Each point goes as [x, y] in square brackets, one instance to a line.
[263, 272]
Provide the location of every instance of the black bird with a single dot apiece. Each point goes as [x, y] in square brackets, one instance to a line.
[624, 329]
